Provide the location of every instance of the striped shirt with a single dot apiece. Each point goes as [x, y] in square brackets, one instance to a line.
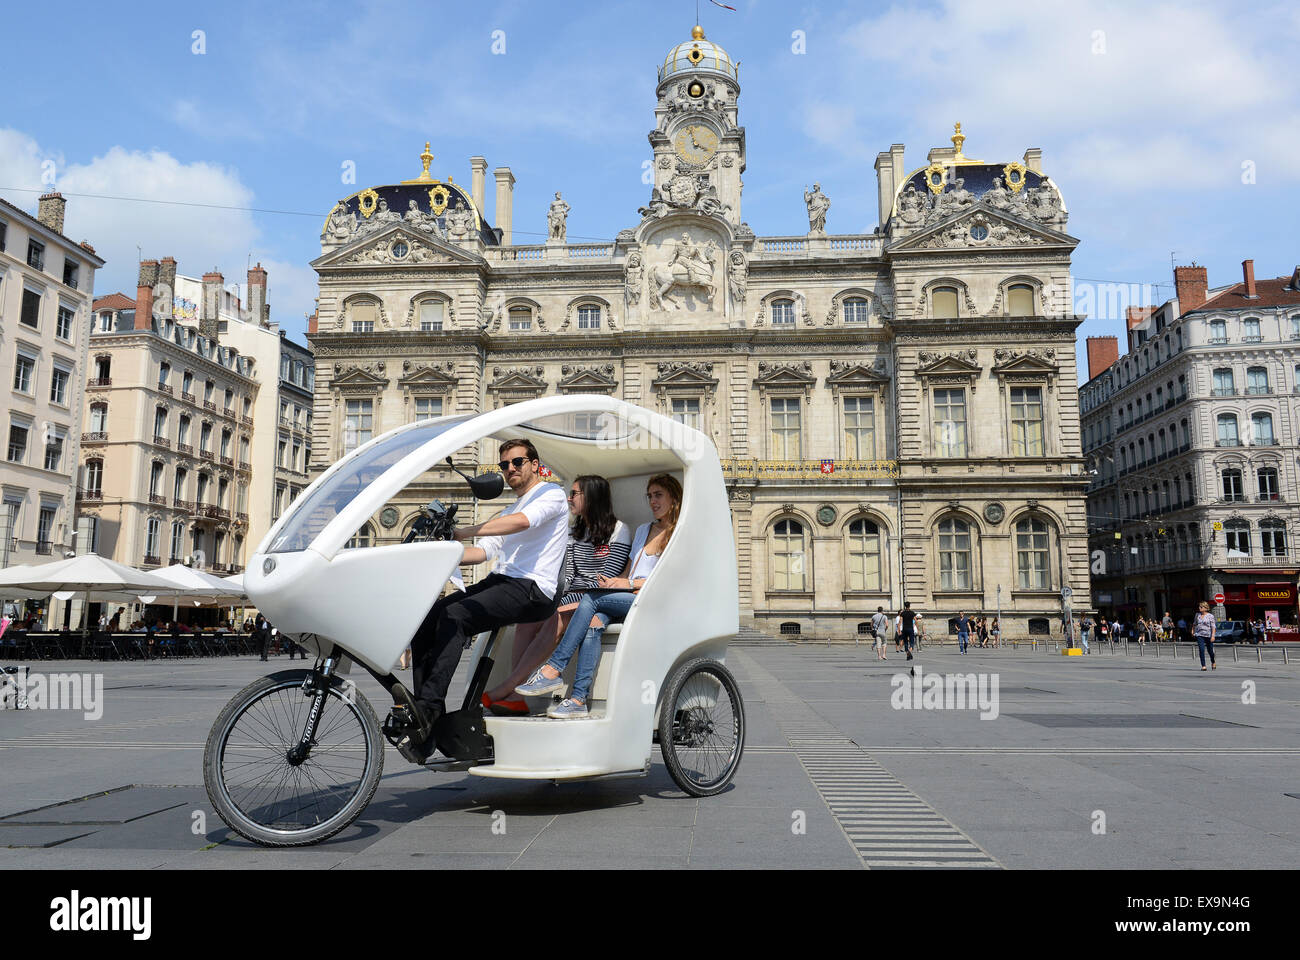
[585, 561]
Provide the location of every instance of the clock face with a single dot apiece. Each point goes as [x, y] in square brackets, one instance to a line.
[695, 143]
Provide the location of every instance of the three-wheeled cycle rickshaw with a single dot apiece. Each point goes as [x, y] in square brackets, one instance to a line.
[295, 757]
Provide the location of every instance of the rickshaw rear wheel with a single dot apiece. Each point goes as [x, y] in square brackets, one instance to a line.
[702, 727]
[264, 797]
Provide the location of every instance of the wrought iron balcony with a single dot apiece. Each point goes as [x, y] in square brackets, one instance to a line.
[179, 504]
[187, 397]
[99, 437]
[161, 442]
[153, 561]
[158, 498]
[185, 448]
[90, 496]
[100, 382]
[165, 388]
[44, 547]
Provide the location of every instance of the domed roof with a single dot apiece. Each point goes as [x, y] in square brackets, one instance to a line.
[697, 55]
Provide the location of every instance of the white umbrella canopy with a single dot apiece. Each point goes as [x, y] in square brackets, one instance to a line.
[89, 573]
[197, 586]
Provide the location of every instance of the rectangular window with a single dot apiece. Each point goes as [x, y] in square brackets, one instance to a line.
[589, 318]
[782, 313]
[1250, 331]
[31, 309]
[54, 452]
[859, 428]
[36, 254]
[152, 530]
[105, 321]
[431, 315]
[357, 424]
[950, 422]
[785, 428]
[59, 378]
[63, 327]
[24, 373]
[363, 321]
[945, 303]
[17, 443]
[178, 541]
[44, 527]
[70, 270]
[427, 408]
[687, 410]
[521, 318]
[1027, 421]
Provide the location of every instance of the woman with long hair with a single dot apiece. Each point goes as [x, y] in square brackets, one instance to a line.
[611, 604]
[598, 547]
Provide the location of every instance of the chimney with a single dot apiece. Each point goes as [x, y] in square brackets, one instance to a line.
[166, 278]
[1034, 159]
[1191, 286]
[49, 211]
[505, 202]
[311, 323]
[1103, 352]
[144, 294]
[257, 309]
[886, 186]
[1248, 275]
[479, 167]
[210, 308]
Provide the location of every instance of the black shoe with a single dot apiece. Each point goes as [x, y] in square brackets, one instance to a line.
[414, 751]
[909, 656]
[420, 727]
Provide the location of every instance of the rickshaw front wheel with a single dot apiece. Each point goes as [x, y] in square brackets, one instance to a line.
[267, 794]
[702, 727]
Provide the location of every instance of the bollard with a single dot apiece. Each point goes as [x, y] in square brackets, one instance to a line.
[1285, 659]
[1175, 651]
[1259, 653]
[1234, 653]
[1157, 651]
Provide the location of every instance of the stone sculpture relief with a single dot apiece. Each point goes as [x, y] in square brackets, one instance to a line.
[687, 264]
[557, 218]
[633, 272]
[818, 203]
[737, 276]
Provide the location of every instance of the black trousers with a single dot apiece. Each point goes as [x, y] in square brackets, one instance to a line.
[494, 601]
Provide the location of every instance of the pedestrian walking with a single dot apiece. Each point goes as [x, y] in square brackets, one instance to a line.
[1167, 624]
[995, 632]
[983, 631]
[263, 633]
[1205, 630]
[1085, 628]
[879, 630]
[963, 631]
[907, 618]
[898, 633]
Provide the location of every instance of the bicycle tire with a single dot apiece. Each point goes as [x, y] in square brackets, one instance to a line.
[276, 730]
[681, 727]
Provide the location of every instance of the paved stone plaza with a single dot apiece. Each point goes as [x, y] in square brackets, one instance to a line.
[1185, 773]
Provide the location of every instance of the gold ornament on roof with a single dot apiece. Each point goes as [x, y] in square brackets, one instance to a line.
[1014, 176]
[367, 202]
[958, 138]
[426, 158]
[697, 32]
[695, 54]
[934, 177]
[438, 199]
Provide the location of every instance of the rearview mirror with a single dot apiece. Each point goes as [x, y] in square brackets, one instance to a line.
[488, 486]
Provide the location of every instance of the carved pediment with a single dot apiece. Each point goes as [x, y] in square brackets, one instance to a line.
[799, 374]
[1040, 362]
[980, 228]
[847, 373]
[528, 379]
[960, 363]
[593, 379]
[380, 248]
[437, 374]
[369, 376]
[676, 374]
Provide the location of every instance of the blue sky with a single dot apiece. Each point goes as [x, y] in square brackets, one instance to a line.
[1169, 127]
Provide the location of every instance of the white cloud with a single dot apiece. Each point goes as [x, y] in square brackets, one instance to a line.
[199, 235]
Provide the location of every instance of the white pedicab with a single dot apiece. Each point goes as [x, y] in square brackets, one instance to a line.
[296, 756]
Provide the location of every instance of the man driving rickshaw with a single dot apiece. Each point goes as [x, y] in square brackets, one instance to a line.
[530, 538]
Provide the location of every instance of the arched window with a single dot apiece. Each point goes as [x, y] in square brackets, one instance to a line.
[177, 542]
[431, 315]
[864, 556]
[1261, 427]
[1267, 478]
[856, 310]
[521, 318]
[783, 313]
[1250, 332]
[1236, 535]
[954, 554]
[944, 300]
[98, 418]
[155, 481]
[153, 532]
[1020, 300]
[1272, 538]
[1032, 554]
[362, 538]
[94, 480]
[1218, 331]
[1227, 423]
[788, 556]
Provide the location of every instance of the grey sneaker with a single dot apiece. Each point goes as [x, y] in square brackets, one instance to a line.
[537, 685]
[567, 710]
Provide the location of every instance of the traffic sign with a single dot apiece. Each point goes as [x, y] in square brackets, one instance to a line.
[1218, 599]
[1067, 593]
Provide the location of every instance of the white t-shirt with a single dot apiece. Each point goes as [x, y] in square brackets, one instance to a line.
[536, 553]
[645, 562]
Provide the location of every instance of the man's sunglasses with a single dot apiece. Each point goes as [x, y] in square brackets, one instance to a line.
[517, 463]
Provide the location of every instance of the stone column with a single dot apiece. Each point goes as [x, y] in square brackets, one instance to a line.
[478, 166]
[505, 202]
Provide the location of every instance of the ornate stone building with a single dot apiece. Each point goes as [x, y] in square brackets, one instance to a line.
[896, 411]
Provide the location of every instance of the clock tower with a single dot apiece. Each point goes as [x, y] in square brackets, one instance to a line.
[697, 141]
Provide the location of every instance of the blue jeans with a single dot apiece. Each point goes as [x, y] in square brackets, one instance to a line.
[1202, 643]
[1083, 635]
[583, 638]
[962, 638]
